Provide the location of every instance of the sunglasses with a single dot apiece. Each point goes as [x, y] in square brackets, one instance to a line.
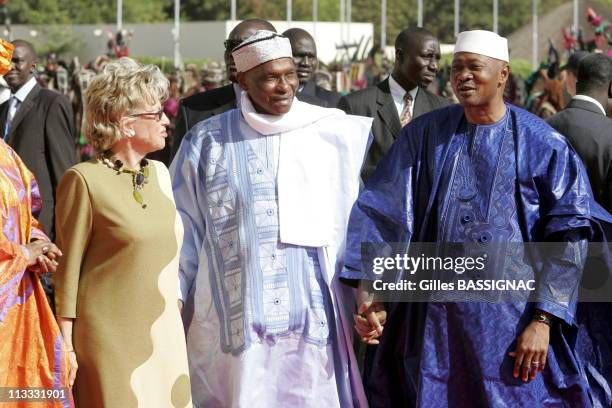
[157, 115]
[231, 44]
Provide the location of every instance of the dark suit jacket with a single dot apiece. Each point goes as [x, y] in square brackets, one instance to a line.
[204, 105]
[589, 132]
[376, 102]
[42, 134]
[331, 98]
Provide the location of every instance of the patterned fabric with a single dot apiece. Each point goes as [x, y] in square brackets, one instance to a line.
[406, 115]
[284, 302]
[262, 309]
[32, 352]
[447, 181]
[259, 48]
[6, 55]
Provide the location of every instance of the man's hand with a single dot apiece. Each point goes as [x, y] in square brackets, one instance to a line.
[369, 321]
[531, 351]
[371, 315]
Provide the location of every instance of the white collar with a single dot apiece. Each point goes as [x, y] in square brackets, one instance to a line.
[320, 158]
[589, 99]
[23, 92]
[398, 92]
[237, 89]
[237, 93]
[299, 116]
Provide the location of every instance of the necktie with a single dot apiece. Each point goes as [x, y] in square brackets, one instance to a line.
[13, 106]
[406, 116]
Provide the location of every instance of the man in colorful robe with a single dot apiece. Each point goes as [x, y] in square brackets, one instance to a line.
[265, 192]
[481, 172]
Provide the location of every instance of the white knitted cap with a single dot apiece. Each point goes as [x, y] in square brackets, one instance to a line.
[483, 42]
[261, 47]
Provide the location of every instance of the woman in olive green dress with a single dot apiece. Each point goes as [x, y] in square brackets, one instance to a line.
[117, 285]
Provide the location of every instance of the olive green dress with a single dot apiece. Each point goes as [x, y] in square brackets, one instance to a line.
[118, 279]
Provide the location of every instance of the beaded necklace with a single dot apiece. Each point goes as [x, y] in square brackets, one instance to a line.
[139, 177]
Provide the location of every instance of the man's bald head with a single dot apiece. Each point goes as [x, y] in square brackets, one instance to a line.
[248, 27]
[304, 53]
[26, 46]
[23, 65]
[417, 54]
[297, 34]
[241, 32]
[412, 36]
[595, 77]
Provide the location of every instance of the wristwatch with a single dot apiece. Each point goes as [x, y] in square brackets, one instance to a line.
[542, 318]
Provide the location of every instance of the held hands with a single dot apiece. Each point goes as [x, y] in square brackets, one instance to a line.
[370, 318]
[42, 256]
[531, 351]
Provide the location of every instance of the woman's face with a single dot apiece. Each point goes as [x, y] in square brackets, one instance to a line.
[149, 123]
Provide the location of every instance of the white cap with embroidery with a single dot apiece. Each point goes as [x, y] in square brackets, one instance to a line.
[261, 47]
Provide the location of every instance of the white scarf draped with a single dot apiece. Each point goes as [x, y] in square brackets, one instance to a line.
[321, 153]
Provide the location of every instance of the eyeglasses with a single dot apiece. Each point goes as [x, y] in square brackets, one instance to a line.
[231, 44]
[157, 115]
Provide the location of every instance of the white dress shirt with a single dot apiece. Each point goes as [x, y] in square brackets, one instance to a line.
[23, 92]
[15, 102]
[397, 93]
[589, 99]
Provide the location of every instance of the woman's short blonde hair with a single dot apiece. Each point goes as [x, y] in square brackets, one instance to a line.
[120, 88]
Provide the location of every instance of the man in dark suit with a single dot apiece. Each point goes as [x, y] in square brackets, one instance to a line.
[584, 123]
[400, 97]
[571, 71]
[204, 105]
[304, 51]
[38, 124]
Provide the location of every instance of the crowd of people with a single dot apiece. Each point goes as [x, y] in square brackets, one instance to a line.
[207, 248]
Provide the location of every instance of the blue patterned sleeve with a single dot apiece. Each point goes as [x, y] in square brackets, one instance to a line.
[186, 182]
[383, 212]
[566, 196]
[559, 280]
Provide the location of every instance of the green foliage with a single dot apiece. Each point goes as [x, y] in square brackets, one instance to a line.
[47, 15]
[86, 11]
[521, 68]
[54, 39]
[198, 10]
[36, 12]
[167, 64]
[43, 15]
[438, 15]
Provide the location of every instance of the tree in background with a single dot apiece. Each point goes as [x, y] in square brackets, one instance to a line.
[84, 12]
[438, 14]
[198, 10]
[45, 14]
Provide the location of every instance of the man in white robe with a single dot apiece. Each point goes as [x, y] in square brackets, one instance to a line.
[265, 192]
